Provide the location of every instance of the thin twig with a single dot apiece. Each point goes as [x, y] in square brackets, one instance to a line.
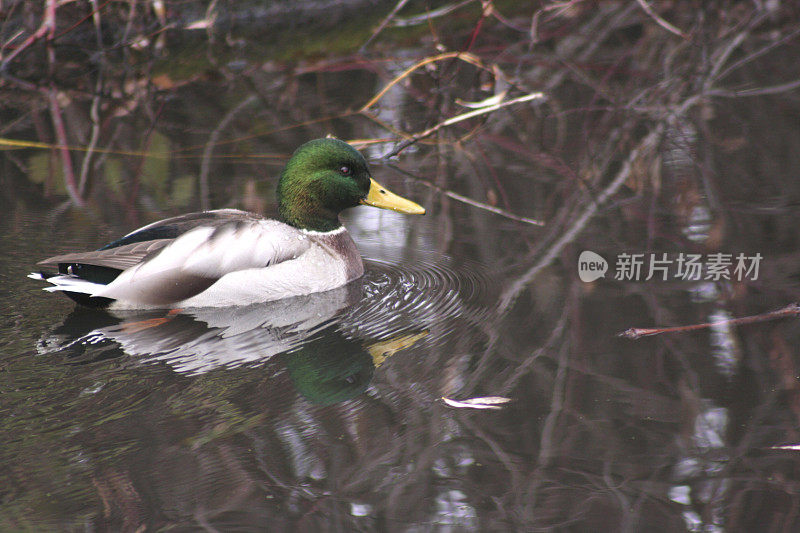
[147, 138]
[758, 91]
[660, 21]
[94, 115]
[63, 150]
[485, 11]
[460, 118]
[547, 442]
[505, 459]
[580, 220]
[469, 58]
[466, 200]
[46, 29]
[208, 149]
[93, 14]
[637, 333]
[383, 24]
[94, 111]
[721, 58]
[758, 53]
[524, 366]
[430, 15]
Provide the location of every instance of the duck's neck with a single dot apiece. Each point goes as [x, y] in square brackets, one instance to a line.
[321, 225]
[307, 216]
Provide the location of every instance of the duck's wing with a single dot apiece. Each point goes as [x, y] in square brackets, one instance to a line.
[143, 243]
[120, 257]
[195, 260]
[174, 227]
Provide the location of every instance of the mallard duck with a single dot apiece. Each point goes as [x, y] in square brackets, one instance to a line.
[230, 257]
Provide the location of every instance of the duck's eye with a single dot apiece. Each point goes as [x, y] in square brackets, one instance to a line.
[345, 170]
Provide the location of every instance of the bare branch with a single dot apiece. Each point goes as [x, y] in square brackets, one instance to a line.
[460, 118]
[384, 23]
[759, 91]
[660, 21]
[637, 333]
[63, 149]
[468, 201]
[650, 141]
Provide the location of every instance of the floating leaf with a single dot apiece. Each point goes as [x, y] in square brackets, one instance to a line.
[199, 25]
[487, 402]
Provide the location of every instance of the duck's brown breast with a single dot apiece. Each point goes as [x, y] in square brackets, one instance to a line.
[342, 246]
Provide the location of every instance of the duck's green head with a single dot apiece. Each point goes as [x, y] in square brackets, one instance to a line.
[325, 176]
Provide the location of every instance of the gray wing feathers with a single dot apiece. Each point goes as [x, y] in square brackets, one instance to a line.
[122, 257]
[186, 222]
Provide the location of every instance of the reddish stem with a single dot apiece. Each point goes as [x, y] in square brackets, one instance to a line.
[63, 148]
[789, 310]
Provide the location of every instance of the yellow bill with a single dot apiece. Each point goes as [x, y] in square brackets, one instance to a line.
[382, 350]
[380, 196]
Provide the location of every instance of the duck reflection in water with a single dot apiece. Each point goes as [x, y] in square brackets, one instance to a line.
[317, 338]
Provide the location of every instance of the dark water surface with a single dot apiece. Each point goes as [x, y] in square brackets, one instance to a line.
[325, 412]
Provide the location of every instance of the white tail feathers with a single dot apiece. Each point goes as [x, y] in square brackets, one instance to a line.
[68, 283]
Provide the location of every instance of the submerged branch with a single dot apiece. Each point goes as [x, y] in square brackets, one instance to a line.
[637, 333]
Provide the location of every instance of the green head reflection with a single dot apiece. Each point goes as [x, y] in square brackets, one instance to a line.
[332, 368]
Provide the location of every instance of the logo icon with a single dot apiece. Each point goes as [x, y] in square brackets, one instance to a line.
[591, 266]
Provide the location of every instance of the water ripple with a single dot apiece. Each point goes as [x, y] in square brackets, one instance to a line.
[422, 294]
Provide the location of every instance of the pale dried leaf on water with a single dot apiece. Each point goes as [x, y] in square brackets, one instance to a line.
[492, 100]
[486, 402]
[202, 24]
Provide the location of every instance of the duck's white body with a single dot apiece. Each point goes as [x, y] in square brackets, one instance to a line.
[229, 257]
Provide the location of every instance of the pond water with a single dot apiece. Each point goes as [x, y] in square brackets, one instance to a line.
[327, 412]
